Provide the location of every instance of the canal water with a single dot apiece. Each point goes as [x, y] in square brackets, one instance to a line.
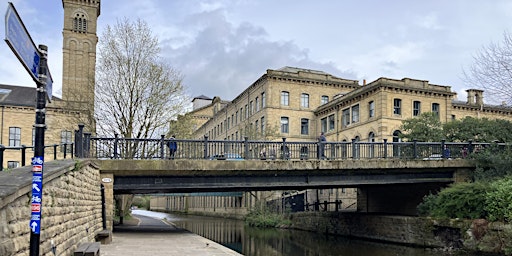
[284, 242]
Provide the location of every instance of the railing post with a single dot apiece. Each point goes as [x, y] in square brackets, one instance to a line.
[470, 147]
[354, 153]
[55, 151]
[414, 149]
[65, 146]
[443, 151]
[116, 144]
[246, 147]
[2, 149]
[205, 152]
[325, 206]
[385, 148]
[23, 154]
[86, 145]
[162, 146]
[79, 149]
[284, 151]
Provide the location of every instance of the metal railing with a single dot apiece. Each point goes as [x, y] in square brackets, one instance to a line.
[66, 151]
[128, 148]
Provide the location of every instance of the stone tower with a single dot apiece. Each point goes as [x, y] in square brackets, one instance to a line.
[79, 56]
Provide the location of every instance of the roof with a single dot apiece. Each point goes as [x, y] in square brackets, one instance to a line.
[202, 97]
[296, 70]
[17, 95]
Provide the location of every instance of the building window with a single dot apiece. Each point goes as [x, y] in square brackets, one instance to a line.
[397, 106]
[228, 123]
[416, 108]
[323, 124]
[332, 122]
[285, 98]
[324, 99]
[371, 109]
[355, 114]
[80, 23]
[435, 109]
[13, 164]
[246, 111]
[304, 100]
[284, 124]
[256, 102]
[345, 117]
[304, 126]
[251, 108]
[65, 138]
[263, 100]
[371, 137]
[262, 125]
[14, 136]
[256, 126]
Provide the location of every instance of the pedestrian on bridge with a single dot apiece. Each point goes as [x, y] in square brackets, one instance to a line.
[173, 146]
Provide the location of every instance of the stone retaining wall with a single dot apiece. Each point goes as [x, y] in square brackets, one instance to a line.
[477, 235]
[71, 207]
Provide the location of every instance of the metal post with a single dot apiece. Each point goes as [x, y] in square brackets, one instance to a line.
[385, 148]
[2, 149]
[55, 151]
[79, 140]
[116, 142]
[23, 155]
[162, 146]
[354, 149]
[414, 149]
[87, 145]
[65, 149]
[38, 160]
[246, 147]
[205, 153]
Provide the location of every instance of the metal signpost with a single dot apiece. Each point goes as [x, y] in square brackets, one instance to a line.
[35, 62]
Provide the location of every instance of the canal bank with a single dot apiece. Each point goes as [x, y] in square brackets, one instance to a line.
[476, 235]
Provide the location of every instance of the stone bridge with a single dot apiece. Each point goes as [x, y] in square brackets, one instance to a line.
[72, 209]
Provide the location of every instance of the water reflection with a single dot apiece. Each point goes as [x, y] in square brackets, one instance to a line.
[282, 242]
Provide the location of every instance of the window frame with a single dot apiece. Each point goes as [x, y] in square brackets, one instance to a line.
[14, 136]
[304, 100]
[324, 99]
[285, 98]
[397, 106]
[285, 126]
[304, 126]
[355, 113]
[371, 109]
[416, 108]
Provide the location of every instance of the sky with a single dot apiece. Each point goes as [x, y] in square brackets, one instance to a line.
[222, 46]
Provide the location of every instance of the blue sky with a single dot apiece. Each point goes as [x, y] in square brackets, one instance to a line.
[222, 46]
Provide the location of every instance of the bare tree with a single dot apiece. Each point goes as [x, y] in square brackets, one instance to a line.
[492, 70]
[137, 94]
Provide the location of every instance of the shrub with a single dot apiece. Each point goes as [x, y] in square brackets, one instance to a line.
[498, 203]
[461, 200]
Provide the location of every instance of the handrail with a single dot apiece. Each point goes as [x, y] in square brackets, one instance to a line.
[131, 148]
[23, 149]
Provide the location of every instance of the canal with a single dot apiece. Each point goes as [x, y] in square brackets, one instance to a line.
[285, 242]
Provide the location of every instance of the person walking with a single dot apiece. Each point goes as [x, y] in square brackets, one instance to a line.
[172, 147]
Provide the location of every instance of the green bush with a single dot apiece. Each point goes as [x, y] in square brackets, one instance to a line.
[264, 218]
[498, 203]
[493, 163]
[461, 200]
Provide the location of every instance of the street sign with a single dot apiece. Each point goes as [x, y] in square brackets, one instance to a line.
[19, 40]
[37, 194]
[49, 85]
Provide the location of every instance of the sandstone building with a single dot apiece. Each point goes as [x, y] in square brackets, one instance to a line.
[17, 103]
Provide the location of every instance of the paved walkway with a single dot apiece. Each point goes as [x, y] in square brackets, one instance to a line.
[149, 236]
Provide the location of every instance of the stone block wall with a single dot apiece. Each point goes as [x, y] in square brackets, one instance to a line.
[476, 235]
[71, 208]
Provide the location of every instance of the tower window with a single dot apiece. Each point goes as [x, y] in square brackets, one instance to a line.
[80, 23]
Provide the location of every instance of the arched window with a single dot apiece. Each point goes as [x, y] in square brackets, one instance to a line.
[371, 137]
[80, 23]
[396, 147]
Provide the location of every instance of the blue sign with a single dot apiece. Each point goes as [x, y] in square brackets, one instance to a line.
[37, 194]
[19, 40]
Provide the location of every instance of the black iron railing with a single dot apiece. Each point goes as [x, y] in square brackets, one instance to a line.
[66, 151]
[128, 148]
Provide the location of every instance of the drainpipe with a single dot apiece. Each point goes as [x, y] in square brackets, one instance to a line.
[103, 208]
